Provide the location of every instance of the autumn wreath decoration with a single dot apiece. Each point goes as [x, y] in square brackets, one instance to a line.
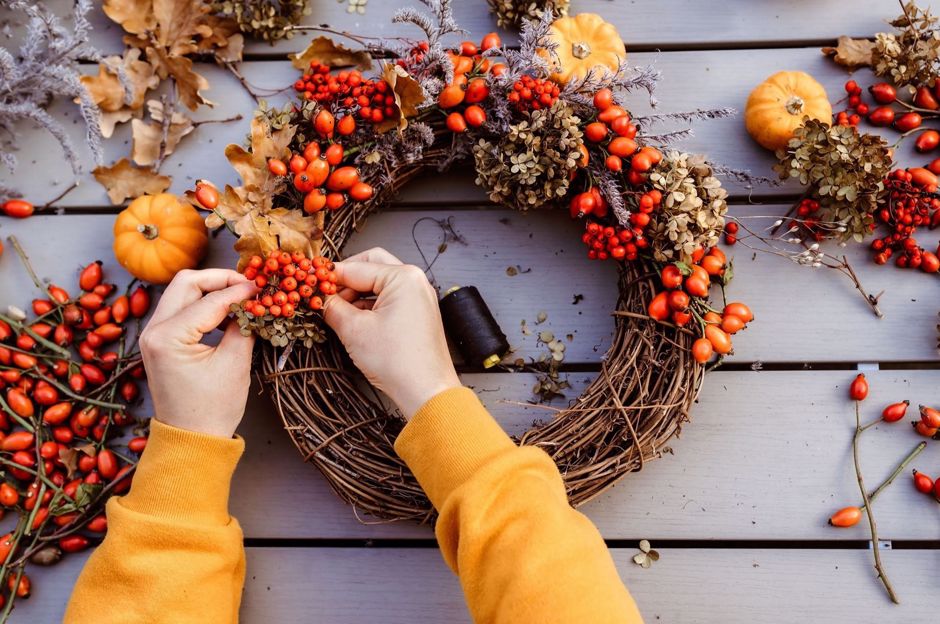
[545, 126]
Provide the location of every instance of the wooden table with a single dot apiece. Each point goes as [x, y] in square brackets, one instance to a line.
[739, 513]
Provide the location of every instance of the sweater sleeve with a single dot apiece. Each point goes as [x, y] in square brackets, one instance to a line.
[172, 552]
[505, 527]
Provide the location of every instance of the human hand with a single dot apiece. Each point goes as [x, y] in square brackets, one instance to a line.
[195, 386]
[397, 339]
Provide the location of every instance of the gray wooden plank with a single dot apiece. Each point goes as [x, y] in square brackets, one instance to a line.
[798, 309]
[704, 79]
[670, 23]
[694, 586]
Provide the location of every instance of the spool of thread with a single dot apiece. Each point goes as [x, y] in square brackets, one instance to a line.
[471, 326]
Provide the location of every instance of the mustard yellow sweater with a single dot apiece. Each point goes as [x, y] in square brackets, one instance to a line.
[523, 555]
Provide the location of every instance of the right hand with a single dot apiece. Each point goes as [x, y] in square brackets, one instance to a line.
[397, 339]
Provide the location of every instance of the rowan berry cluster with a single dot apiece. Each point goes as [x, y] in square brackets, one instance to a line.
[529, 94]
[371, 100]
[290, 283]
[610, 242]
[911, 204]
[318, 173]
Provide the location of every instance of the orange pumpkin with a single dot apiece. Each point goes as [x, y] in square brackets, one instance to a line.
[777, 106]
[585, 42]
[158, 236]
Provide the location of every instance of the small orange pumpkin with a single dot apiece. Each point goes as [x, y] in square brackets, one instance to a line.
[585, 42]
[777, 106]
[158, 236]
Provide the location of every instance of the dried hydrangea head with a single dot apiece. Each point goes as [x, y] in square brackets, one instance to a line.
[531, 165]
[264, 19]
[693, 207]
[844, 169]
[305, 328]
[911, 55]
[511, 13]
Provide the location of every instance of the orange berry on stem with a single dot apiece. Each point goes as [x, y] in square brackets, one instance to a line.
[456, 123]
[595, 132]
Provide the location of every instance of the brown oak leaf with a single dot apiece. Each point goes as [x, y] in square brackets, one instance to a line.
[134, 16]
[325, 50]
[252, 164]
[178, 24]
[408, 96]
[851, 52]
[148, 137]
[122, 180]
[107, 90]
[281, 228]
[108, 121]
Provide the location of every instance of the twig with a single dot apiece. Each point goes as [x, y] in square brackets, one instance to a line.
[237, 117]
[58, 197]
[248, 86]
[868, 511]
[894, 475]
[871, 299]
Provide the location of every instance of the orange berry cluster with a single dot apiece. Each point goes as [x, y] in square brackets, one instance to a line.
[289, 283]
[609, 242]
[593, 203]
[615, 134]
[372, 100]
[318, 172]
[531, 94]
[469, 88]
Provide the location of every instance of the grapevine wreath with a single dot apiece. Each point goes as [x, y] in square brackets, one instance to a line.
[545, 126]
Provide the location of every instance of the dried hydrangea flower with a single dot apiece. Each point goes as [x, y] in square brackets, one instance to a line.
[531, 165]
[511, 13]
[264, 19]
[693, 207]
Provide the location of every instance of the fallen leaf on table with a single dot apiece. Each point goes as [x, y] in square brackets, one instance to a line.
[148, 137]
[188, 82]
[325, 50]
[123, 180]
[232, 51]
[108, 121]
[851, 52]
[408, 95]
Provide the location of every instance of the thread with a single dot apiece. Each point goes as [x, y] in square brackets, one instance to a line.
[472, 327]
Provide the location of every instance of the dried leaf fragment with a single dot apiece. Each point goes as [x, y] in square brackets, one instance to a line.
[851, 52]
[122, 180]
[149, 138]
[325, 50]
[408, 96]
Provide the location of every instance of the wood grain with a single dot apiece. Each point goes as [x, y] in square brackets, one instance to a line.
[690, 80]
[667, 24]
[686, 586]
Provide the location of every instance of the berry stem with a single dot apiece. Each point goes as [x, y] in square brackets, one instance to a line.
[873, 527]
[884, 484]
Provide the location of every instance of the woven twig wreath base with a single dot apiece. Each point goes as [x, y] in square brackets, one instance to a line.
[642, 395]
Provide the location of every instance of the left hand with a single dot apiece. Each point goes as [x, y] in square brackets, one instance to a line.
[195, 386]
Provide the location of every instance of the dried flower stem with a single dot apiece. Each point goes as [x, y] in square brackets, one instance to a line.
[868, 511]
[894, 475]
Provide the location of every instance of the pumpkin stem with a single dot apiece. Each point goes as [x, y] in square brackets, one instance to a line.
[580, 50]
[149, 230]
[795, 105]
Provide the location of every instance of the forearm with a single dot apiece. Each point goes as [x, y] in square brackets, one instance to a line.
[505, 526]
[172, 553]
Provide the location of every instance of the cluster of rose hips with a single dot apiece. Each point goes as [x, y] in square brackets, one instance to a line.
[58, 412]
[318, 172]
[290, 283]
[531, 94]
[469, 88]
[614, 134]
[371, 100]
[686, 284]
[911, 205]
[885, 95]
[928, 426]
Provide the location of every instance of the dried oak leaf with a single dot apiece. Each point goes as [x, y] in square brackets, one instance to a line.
[107, 90]
[408, 96]
[252, 164]
[280, 228]
[325, 50]
[148, 137]
[851, 52]
[134, 16]
[123, 180]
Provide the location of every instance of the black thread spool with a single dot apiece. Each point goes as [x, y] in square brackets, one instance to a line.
[470, 324]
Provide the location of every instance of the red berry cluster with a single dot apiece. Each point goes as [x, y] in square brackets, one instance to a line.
[67, 377]
[531, 94]
[609, 242]
[807, 220]
[415, 55]
[290, 283]
[372, 99]
[911, 205]
[731, 233]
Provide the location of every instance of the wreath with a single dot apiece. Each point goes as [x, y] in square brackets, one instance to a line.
[546, 125]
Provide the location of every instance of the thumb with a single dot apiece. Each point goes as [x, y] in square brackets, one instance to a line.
[341, 316]
[207, 313]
